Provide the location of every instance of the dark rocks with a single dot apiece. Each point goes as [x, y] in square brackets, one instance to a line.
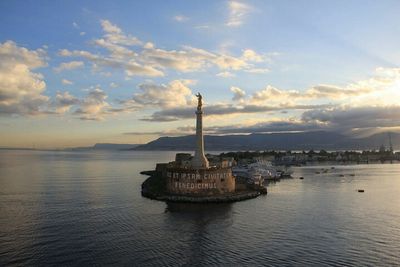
[149, 173]
[210, 199]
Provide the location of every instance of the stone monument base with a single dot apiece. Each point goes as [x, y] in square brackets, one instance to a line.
[154, 188]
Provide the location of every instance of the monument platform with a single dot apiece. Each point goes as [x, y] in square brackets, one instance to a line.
[194, 179]
[155, 188]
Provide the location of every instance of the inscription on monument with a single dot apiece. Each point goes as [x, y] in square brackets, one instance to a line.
[178, 185]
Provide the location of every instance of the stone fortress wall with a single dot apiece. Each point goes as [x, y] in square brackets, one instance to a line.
[201, 182]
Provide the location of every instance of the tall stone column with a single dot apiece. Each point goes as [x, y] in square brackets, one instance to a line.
[199, 160]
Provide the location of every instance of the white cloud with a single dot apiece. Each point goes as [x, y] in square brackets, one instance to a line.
[200, 27]
[251, 55]
[82, 33]
[190, 59]
[272, 94]
[64, 101]
[257, 70]
[113, 85]
[148, 45]
[382, 88]
[174, 94]
[180, 18]
[179, 60]
[376, 97]
[116, 50]
[69, 66]
[110, 28]
[131, 67]
[93, 106]
[238, 94]
[21, 89]
[66, 82]
[115, 35]
[238, 11]
[147, 60]
[121, 56]
[229, 62]
[225, 74]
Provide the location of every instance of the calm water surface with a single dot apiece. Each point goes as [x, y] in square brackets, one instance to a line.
[85, 208]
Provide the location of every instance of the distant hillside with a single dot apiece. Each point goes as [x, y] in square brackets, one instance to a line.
[276, 141]
[107, 146]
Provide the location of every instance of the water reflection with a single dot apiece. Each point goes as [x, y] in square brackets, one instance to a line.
[198, 208]
[59, 208]
[200, 226]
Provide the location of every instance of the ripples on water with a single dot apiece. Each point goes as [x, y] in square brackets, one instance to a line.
[85, 208]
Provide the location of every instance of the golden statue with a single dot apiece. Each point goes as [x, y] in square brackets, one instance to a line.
[200, 101]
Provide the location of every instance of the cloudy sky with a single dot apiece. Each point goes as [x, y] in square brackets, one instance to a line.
[73, 73]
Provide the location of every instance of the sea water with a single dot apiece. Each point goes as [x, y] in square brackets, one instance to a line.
[85, 208]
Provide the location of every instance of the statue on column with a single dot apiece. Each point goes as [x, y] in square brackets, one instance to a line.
[200, 101]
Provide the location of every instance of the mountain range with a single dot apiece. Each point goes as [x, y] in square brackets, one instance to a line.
[106, 146]
[275, 141]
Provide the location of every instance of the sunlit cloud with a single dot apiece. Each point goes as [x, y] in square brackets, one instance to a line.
[225, 74]
[377, 90]
[64, 101]
[66, 82]
[114, 34]
[69, 66]
[251, 55]
[113, 85]
[238, 94]
[98, 61]
[182, 113]
[21, 89]
[174, 94]
[138, 58]
[258, 70]
[93, 106]
[238, 12]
